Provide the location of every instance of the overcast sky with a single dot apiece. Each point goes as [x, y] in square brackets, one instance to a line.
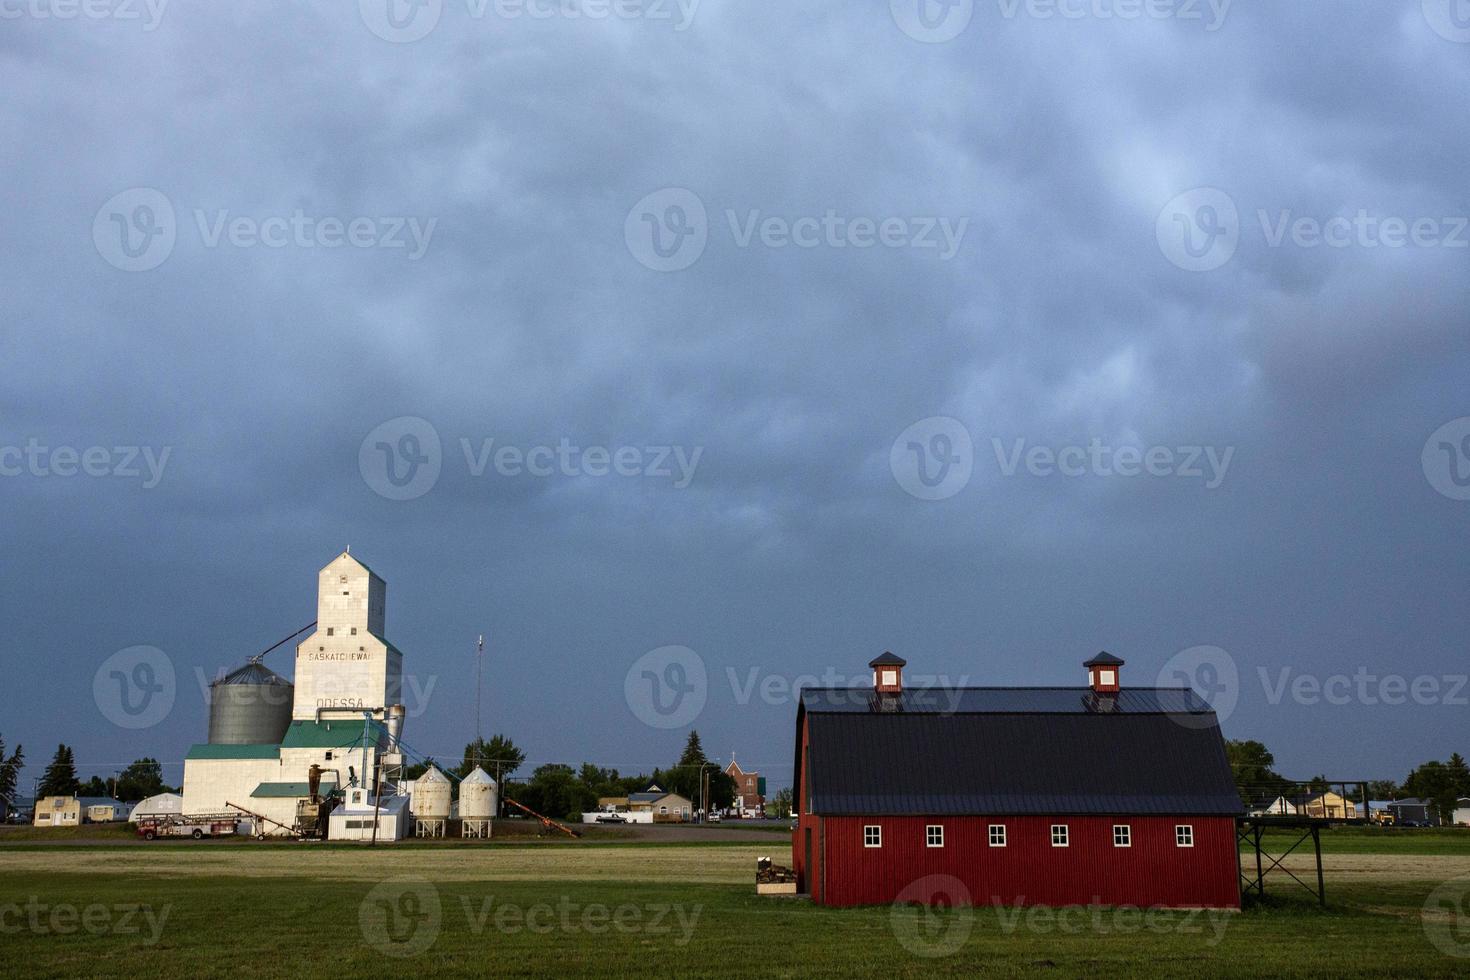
[1053, 346]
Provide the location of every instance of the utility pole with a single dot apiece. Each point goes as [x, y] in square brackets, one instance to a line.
[479, 671]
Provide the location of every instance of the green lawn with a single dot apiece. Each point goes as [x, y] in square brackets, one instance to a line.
[1379, 840]
[215, 926]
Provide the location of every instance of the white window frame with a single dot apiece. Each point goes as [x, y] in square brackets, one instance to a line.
[1184, 835]
[872, 835]
[1122, 835]
[997, 835]
[934, 835]
[1064, 839]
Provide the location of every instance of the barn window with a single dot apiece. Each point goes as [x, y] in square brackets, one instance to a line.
[1122, 835]
[934, 835]
[1184, 835]
[997, 835]
[872, 836]
[1059, 835]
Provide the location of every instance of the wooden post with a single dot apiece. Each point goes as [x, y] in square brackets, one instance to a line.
[1260, 875]
[1321, 884]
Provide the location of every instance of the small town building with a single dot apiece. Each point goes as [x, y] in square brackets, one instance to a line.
[358, 818]
[1101, 794]
[58, 811]
[665, 807]
[1330, 806]
[750, 789]
[1462, 812]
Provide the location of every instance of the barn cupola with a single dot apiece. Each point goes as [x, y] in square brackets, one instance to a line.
[1103, 673]
[888, 673]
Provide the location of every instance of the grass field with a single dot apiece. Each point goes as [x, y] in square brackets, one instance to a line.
[186, 910]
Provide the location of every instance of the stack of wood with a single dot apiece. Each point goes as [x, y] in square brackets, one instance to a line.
[772, 879]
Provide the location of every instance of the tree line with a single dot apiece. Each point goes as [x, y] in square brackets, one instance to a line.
[1441, 784]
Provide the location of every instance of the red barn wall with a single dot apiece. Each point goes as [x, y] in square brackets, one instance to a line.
[1029, 871]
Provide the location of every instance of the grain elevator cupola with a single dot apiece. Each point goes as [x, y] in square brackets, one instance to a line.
[888, 673]
[1103, 673]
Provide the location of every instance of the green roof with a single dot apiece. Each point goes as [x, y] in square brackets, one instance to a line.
[206, 751]
[289, 791]
[337, 733]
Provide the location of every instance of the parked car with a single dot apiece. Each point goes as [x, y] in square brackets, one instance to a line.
[612, 818]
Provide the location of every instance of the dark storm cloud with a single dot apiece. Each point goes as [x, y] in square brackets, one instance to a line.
[1059, 321]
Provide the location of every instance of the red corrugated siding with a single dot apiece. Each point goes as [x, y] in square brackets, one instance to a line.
[1029, 871]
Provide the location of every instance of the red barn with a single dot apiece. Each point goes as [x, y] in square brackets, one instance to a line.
[1097, 795]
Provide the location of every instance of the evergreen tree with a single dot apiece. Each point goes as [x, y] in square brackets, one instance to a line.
[10, 767]
[1459, 775]
[60, 778]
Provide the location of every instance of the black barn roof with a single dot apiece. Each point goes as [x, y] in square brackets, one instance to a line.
[1016, 751]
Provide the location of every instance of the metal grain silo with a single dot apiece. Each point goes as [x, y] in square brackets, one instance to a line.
[477, 801]
[430, 803]
[251, 706]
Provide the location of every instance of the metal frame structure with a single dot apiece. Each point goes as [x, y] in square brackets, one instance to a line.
[1251, 830]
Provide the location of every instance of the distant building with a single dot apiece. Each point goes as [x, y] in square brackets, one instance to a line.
[1412, 811]
[58, 811]
[1462, 812]
[666, 807]
[750, 788]
[1331, 806]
